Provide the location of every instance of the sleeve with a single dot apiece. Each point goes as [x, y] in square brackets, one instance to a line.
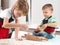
[51, 20]
[5, 14]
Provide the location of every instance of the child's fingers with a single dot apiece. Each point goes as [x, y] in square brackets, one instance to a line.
[19, 39]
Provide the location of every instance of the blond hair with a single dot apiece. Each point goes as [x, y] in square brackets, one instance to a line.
[23, 6]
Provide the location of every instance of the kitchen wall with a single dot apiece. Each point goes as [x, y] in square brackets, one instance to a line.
[37, 15]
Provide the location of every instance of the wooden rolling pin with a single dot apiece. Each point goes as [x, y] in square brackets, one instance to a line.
[35, 38]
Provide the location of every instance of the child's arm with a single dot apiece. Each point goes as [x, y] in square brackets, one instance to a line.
[11, 25]
[16, 32]
[15, 25]
[54, 24]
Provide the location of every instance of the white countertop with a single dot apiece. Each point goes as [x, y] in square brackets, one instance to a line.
[12, 41]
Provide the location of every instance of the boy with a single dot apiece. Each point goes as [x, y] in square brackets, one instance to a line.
[48, 24]
[19, 9]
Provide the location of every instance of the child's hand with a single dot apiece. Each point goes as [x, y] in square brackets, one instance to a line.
[40, 28]
[44, 26]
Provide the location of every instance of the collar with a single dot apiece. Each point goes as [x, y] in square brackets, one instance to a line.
[48, 18]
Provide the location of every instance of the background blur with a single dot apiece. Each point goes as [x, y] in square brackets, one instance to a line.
[35, 9]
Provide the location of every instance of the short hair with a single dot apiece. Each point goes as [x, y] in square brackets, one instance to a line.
[47, 6]
[23, 6]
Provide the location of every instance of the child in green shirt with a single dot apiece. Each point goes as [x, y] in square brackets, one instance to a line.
[49, 23]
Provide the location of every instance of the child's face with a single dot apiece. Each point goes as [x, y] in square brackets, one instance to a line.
[17, 13]
[47, 12]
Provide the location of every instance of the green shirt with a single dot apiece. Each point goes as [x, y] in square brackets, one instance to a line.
[51, 20]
